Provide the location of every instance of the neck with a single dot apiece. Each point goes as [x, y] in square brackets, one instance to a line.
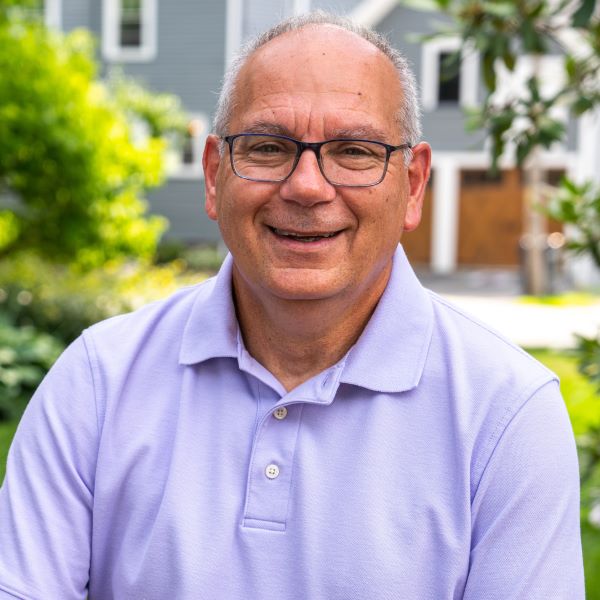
[296, 339]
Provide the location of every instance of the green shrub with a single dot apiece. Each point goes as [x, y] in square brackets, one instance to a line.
[197, 257]
[588, 350]
[25, 356]
[77, 154]
[63, 301]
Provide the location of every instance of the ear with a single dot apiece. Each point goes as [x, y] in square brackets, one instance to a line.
[211, 159]
[418, 175]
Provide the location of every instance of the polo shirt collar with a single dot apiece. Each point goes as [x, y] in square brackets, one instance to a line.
[389, 356]
[212, 327]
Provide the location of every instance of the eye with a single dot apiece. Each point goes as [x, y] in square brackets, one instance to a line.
[355, 151]
[352, 149]
[267, 148]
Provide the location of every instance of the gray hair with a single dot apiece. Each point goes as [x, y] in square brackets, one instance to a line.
[408, 116]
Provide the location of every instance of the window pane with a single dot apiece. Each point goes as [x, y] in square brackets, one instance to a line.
[131, 23]
[449, 78]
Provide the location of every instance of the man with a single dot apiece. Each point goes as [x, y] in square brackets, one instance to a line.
[311, 423]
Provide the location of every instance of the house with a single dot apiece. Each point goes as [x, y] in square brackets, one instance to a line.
[183, 46]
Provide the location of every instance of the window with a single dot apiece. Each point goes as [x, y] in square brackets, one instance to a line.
[448, 78]
[130, 24]
[129, 30]
[443, 82]
[185, 158]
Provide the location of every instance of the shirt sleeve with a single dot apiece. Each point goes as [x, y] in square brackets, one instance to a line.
[526, 540]
[47, 494]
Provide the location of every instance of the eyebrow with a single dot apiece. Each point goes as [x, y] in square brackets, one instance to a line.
[364, 131]
[268, 128]
[361, 132]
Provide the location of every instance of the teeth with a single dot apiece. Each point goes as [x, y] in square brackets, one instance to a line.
[303, 238]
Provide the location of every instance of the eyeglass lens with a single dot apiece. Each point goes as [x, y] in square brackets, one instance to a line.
[346, 162]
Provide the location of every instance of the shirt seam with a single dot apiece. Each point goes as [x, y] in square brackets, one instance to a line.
[436, 298]
[293, 465]
[250, 476]
[90, 349]
[508, 415]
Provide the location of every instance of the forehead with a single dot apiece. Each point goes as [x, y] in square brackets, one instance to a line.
[317, 79]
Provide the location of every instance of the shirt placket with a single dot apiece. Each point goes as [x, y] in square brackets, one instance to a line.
[271, 469]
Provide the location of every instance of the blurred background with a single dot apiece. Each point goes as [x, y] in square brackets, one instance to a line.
[104, 109]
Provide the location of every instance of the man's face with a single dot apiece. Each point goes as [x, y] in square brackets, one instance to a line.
[316, 84]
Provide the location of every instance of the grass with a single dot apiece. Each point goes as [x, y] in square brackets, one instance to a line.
[7, 431]
[566, 299]
[580, 396]
[583, 404]
[584, 408]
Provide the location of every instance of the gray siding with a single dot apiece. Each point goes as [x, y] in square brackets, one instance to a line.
[76, 13]
[191, 53]
[259, 15]
[340, 7]
[443, 128]
[183, 204]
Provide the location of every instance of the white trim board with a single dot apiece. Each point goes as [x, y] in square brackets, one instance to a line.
[234, 12]
[53, 13]
[371, 12]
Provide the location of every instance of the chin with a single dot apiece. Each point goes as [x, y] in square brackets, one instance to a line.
[301, 286]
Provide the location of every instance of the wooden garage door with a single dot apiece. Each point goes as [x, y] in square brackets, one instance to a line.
[491, 218]
[417, 243]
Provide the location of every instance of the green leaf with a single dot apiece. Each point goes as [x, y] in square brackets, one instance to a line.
[509, 59]
[533, 41]
[534, 89]
[583, 14]
[489, 72]
[581, 105]
[524, 148]
[570, 66]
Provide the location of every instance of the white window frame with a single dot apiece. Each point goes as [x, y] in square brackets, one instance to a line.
[301, 6]
[233, 29]
[53, 13]
[111, 19]
[177, 168]
[430, 73]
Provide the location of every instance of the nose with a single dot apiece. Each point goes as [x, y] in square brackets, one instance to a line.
[306, 185]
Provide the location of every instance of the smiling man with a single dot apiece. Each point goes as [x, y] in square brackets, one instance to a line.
[311, 423]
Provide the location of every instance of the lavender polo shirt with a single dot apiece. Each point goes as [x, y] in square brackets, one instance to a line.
[159, 460]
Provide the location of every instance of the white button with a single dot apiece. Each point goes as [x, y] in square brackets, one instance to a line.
[272, 471]
[280, 413]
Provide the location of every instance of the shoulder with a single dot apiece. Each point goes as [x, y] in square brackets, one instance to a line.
[161, 322]
[491, 383]
[479, 348]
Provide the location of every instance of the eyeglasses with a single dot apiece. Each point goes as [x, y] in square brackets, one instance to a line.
[343, 162]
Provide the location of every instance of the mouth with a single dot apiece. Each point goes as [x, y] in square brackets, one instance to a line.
[305, 238]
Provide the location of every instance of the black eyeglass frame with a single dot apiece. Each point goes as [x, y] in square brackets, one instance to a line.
[316, 148]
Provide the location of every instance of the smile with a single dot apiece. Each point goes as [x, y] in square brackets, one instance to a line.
[313, 237]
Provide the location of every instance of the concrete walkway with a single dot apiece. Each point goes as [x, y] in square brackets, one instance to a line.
[494, 297]
[532, 325]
